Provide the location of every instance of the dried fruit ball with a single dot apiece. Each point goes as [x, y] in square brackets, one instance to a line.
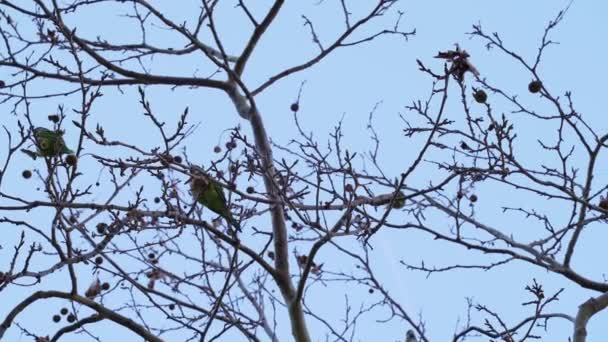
[64, 311]
[250, 189]
[534, 86]
[370, 290]
[177, 159]
[105, 286]
[71, 318]
[480, 96]
[27, 174]
[459, 195]
[56, 318]
[156, 200]
[604, 204]
[171, 307]
[98, 260]
[295, 107]
[53, 118]
[71, 160]
[473, 198]
[2, 84]
[217, 149]
[348, 188]
[101, 228]
[166, 159]
[151, 256]
[271, 255]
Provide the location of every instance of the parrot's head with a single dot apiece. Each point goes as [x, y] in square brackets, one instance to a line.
[198, 178]
[38, 131]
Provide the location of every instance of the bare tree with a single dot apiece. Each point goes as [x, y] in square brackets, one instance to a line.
[116, 220]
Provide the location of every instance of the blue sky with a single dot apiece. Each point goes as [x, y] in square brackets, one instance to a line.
[349, 84]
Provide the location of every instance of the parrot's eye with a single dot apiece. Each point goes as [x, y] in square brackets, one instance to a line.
[44, 145]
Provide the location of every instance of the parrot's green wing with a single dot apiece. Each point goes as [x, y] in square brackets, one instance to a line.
[399, 201]
[50, 143]
[210, 194]
[216, 201]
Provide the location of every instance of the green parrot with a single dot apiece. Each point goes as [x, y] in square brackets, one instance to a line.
[209, 193]
[399, 201]
[50, 143]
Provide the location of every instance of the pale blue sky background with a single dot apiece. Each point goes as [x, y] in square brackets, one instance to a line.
[350, 82]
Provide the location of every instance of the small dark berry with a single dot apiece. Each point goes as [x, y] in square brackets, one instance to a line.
[71, 318]
[348, 188]
[98, 260]
[151, 255]
[53, 118]
[217, 149]
[171, 307]
[101, 227]
[491, 127]
[295, 107]
[166, 159]
[27, 174]
[177, 159]
[271, 255]
[56, 318]
[2, 84]
[156, 200]
[459, 195]
[250, 189]
[370, 290]
[154, 261]
[96, 183]
[477, 177]
[105, 286]
[480, 96]
[604, 204]
[535, 86]
[64, 311]
[473, 198]
[71, 160]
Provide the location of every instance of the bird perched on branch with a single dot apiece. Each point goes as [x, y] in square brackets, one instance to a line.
[399, 201]
[210, 194]
[48, 143]
[460, 62]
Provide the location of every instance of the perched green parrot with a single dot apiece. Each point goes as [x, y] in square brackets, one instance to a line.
[50, 143]
[209, 193]
[399, 201]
